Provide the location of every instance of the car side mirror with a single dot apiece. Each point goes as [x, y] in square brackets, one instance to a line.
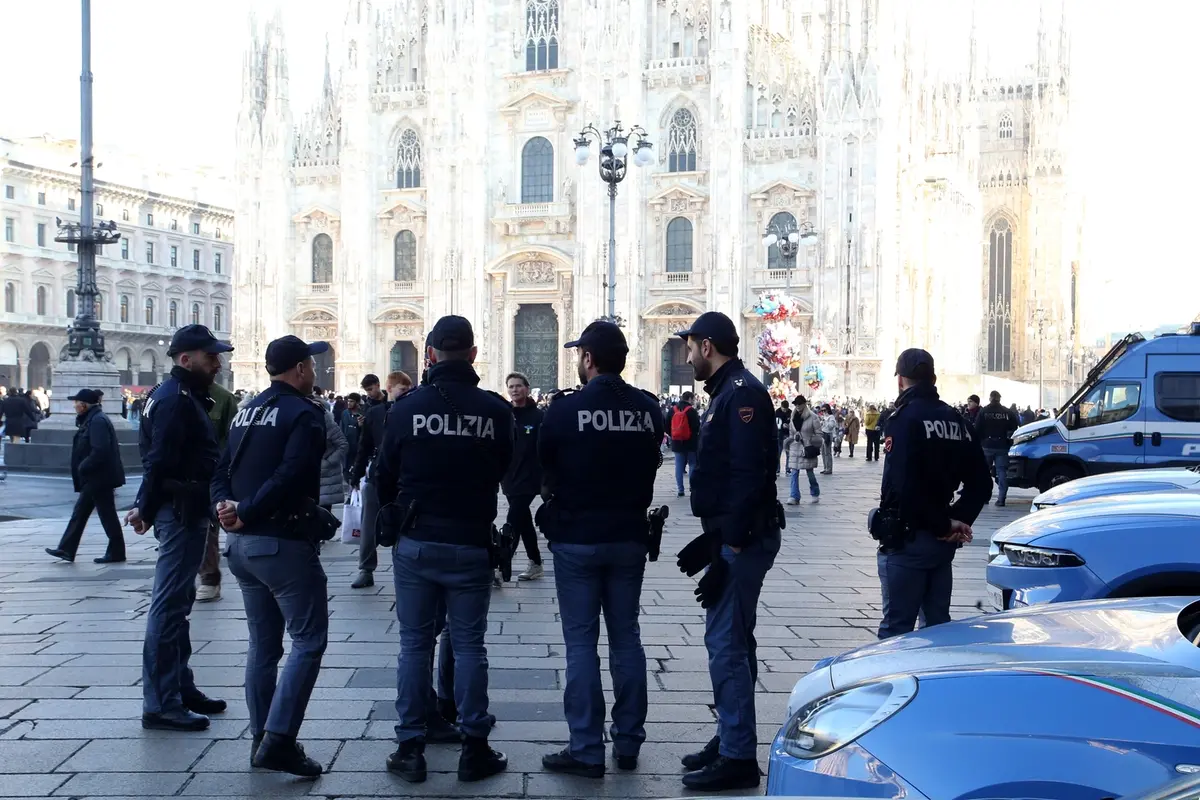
[1073, 417]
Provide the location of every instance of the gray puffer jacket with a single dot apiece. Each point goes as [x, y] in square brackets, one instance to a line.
[807, 427]
[332, 466]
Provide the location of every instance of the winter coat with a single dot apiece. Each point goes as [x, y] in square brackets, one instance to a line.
[852, 426]
[870, 419]
[20, 416]
[807, 427]
[332, 463]
[349, 423]
[524, 471]
[692, 443]
[95, 455]
[829, 426]
[222, 412]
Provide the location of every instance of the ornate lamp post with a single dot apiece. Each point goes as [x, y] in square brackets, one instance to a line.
[614, 157]
[788, 237]
[1041, 326]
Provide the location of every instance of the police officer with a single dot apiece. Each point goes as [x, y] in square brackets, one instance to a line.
[994, 426]
[931, 450]
[270, 470]
[179, 454]
[733, 494]
[599, 449]
[446, 447]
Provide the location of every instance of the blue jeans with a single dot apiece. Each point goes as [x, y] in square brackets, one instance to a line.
[166, 677]
[732, 649]
[814, 488]
[426, 574]
[283, 584]
[590, 579]
[681, 460]
[997, 461]
[916, 580]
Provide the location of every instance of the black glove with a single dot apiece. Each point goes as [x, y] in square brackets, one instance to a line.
[712, 585]
[696, 555]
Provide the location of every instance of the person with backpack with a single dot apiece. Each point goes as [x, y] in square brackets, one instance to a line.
[684, 424]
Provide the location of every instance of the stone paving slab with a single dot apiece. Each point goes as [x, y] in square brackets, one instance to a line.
[71, 641]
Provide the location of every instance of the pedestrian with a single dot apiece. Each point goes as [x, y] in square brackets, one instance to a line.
[853, 424]
[783, 425]
[179, 453]
[221, 414]
[994, 429]
[351, 424]
[931, 452]
[96, 471]
[524, 479]
[804, 448]
[370, 385]
[369, 438]
[733, 494]
[333, 481]
[265, 490]
[683, 424]
[870, 424]
[19, 415]
[972, 410]
[600, 478]
[446, 448]
[828, 430]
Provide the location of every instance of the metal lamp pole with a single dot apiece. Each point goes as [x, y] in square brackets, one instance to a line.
[849, 328]
[614, 159]
[1041, 327]
[788, 238]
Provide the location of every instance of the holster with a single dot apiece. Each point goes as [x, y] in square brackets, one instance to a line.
[394, 521]
[501, 547]
[657, 519]
[190, 500]
[886, 527]
[310, 522]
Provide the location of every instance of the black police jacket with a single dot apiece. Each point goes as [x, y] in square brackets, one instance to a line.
[177, 442]
[599, 449]
[447, 455]
[931, 451]
[279, 461]
[95, 455]
[994, 426]
[369, 438]
[524, 473]
[733, 485]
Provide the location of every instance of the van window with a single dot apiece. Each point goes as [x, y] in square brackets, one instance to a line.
[1109, 401]
[1177, 395]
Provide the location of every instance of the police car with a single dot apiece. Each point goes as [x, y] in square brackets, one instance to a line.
[1184, 479]
[1139, 408]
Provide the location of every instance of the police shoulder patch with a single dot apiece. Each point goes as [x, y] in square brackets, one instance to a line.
[746, 413]
[887, 445]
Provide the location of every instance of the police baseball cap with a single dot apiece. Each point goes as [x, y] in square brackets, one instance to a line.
[288, 351]
[451, 334]
[715, 326]
[196, 337]
[89, 396]
[915, 364]
[602, 337]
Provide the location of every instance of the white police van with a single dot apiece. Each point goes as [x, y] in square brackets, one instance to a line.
[1138, 408]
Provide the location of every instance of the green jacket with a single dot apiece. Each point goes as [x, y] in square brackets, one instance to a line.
[224, 407]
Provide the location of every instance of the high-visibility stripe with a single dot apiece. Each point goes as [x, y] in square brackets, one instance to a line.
[1183, 713]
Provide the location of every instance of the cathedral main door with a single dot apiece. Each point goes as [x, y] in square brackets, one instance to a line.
[324, 365]
[676, 371]
[536, 351]
[404, 359]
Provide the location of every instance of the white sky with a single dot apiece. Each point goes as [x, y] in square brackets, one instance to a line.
[167, 85]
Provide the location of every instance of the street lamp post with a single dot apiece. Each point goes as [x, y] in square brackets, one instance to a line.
[1041, 327]
[788, 238]
[849, 311]
[614, 153]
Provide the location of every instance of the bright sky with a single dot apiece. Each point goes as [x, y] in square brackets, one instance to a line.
[167, 84]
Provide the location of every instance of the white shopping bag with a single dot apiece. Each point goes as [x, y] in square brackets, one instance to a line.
[352, 519]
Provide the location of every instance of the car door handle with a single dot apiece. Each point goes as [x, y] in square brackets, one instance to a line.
[1156, 439]
[1138, 438]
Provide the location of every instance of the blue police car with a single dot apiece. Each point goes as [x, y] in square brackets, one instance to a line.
[1171, 479]
[1138, 408]
[1081, 700]
[1136, 545]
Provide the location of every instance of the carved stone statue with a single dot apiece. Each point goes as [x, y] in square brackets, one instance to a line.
[501, 192]
[568, 190]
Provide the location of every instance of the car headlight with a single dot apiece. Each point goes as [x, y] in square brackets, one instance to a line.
[822, 726]
[1020, 555]
[1021, 438]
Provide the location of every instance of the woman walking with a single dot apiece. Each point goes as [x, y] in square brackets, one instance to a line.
[806, 440]
[852, 428]
[828, 431]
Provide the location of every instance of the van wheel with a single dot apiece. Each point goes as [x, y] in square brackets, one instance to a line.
[1052, 475]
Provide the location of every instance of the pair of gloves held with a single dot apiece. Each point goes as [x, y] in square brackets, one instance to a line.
[705, 551]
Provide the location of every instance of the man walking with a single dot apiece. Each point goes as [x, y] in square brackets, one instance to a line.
[683, 423]
[524, 479]
[995, 428]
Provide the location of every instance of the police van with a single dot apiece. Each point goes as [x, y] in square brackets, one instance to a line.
[1138, 408]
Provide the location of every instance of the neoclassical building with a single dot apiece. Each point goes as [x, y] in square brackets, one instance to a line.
[172, 266]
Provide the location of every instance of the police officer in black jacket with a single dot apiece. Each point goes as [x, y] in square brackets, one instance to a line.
[270, 470]
[447, 446]
[733, 494]
[179, 454]
[524, 479]
[599, 449]
[994, 426]
[931, 450]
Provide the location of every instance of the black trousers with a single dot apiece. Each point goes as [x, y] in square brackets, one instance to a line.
[872, 445]
[521, 520]
[105, 504]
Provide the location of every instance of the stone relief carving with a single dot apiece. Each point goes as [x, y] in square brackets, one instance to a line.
[400, 315]
[676, 310]
[535, 272]
[318, 316]
[679, 204]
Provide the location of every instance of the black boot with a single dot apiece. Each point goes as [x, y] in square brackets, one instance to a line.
[254, 746]
[439, 731]
[181, 720]
[107, 559]
[564, 762]
[724, 774]
[478, 761]
[700, 760]
[284, 754]
[200, 703]
[409, 761]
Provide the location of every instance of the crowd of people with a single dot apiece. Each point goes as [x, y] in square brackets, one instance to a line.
[21, 410]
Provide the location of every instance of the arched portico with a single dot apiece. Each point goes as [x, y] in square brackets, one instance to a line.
[531, 278]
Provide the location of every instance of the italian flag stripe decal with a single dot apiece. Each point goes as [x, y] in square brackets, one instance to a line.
[1179, 712]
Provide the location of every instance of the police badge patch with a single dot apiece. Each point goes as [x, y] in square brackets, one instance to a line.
[746, 413]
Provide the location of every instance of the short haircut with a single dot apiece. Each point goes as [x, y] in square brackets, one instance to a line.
[727, 349]
[687, 397]
[606, 363]
[452, 355]
[994, 395]
[355, 396]
[519, 376]
[783, 403]
[398, 378]
[370, 379]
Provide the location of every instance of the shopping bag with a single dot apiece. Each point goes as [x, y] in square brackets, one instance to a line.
[352, 519]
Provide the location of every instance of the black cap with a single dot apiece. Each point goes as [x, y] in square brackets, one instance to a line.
[288, 351]
[974, 398]
[715, 326]
[89, 396]
[602, 337]
[994, 395]
[196, 337]
[450, 334]
[370, 379]
[915, 364]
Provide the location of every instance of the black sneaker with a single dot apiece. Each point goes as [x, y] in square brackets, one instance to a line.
[439, 731]
[627, 763]
[179, 720]
[409, 761]
[700, 760]
[60, 553]
[564, 762]
[724, 774]
[364, 579]
[200, 703]
[1000, 503]
[478, 761]
[284, 754]
[254, 743]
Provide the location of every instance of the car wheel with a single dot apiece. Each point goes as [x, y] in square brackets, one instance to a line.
[1053, 474]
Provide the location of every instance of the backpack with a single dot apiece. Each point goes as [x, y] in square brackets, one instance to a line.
[681, 431]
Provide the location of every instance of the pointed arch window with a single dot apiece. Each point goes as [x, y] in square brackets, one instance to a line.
[195, 313]
[41, 301]
[999, 332]
[408, 161]
[322, 259]
[1006, 126]
[683, 140]
[805, 126]
[173, 315]
[124, 308]
[679, 245]
[537, 171]
[541, 35]
[404, 267]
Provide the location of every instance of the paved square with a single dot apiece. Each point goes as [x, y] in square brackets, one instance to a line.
[71, 638]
